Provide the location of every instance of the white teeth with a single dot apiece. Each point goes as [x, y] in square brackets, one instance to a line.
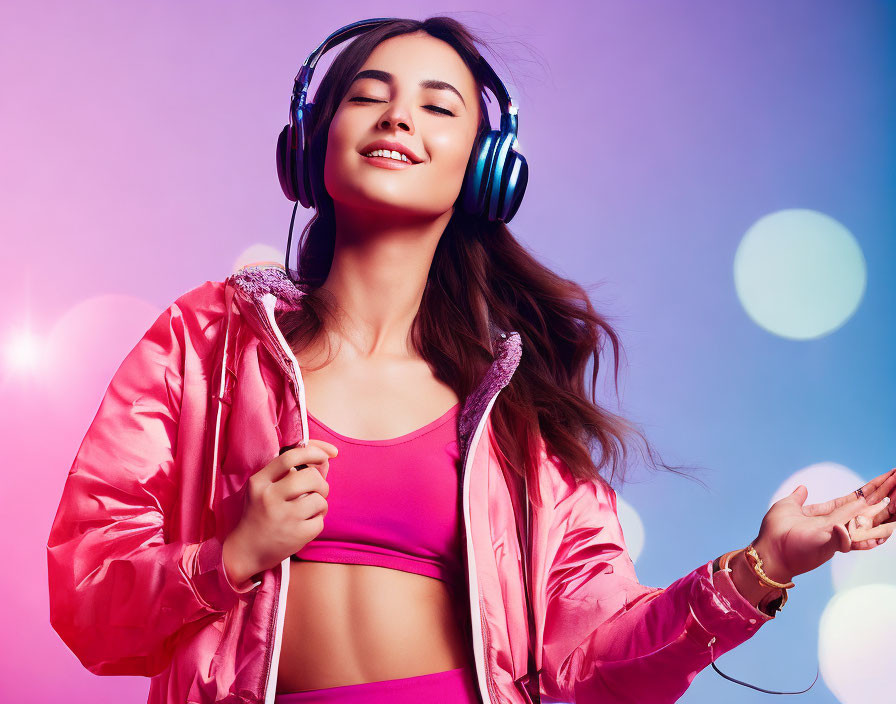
[389, 154]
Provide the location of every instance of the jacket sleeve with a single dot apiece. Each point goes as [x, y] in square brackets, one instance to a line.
[121, 593]
[609, 638]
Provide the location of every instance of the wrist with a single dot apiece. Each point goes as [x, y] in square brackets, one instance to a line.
[749, 585]
[770, 565]
[238, 573]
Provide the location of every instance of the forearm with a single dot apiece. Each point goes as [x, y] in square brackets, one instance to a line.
[118, 606]
[651, 648]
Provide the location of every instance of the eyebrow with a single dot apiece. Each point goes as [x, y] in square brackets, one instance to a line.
[388, 78]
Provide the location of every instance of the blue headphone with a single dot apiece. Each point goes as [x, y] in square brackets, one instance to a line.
[496, 175]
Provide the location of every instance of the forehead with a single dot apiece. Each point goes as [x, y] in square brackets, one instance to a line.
[412, 58]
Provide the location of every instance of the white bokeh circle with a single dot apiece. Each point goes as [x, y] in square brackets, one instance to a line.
[86, 346]
[258, 254]
[799, 273]
[824, 480]
[632, 527]
[855, 643]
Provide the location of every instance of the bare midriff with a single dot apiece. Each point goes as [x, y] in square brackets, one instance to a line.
[351, 624]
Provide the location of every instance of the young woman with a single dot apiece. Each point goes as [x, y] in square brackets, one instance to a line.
[309, 490]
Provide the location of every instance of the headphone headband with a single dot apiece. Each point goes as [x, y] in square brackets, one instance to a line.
[303, 77]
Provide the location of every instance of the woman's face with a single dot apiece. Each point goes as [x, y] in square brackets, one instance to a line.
[436, 125]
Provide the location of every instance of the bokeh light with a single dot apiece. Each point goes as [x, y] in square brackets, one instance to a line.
[632, 527]
[799, 273]
[259, 254]
[855, 643]
[86, 346]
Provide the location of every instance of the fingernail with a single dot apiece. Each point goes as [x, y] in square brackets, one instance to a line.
[880, 541]
[886, 499]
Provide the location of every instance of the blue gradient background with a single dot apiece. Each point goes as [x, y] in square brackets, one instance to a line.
[138, 159]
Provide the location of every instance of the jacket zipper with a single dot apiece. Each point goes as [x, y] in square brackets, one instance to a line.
[268, 691]
[483, 623]
[210, 499]
[267, 316]
[295, 378]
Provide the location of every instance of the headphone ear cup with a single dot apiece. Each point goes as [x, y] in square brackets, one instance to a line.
[498, 179]
[286, 163]
[303, 160]
[508, 180]
[479, 173]
[292, 161]
[514, 179]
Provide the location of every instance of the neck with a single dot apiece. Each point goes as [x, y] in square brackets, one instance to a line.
[378, 275]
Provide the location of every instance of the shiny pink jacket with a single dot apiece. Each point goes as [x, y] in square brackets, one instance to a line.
[208, 397]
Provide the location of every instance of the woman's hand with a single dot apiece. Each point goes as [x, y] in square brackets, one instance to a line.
[795, 539]
[286, 502]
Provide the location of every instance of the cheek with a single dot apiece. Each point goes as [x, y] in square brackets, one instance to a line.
[336, 136]
[451, 150]
[339, 144]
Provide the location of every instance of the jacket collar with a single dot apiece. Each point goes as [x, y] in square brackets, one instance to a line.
[257, 281]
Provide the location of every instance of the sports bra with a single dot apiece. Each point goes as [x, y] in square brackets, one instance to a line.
[393, 503]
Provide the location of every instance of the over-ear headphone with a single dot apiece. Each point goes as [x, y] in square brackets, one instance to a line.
[496, 175]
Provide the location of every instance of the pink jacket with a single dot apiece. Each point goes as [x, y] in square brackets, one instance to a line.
[208, 397]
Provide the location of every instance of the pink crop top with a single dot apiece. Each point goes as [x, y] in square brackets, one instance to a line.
[393, 503]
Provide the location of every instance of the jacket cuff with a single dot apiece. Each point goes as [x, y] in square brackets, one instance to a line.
[210, 579]
[726, 586]
[720, 612]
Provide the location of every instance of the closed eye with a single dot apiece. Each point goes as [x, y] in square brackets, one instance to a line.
[433, 107]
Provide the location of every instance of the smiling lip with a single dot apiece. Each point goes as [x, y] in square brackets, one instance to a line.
[385, 162]
[392, 146]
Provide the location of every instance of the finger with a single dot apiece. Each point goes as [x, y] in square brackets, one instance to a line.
[876, 512]
[878, 480]
[844, 540]
[874, 490]
[888, 514]
[891, 507]
[880, 513]
[852, 508]
[294, 459]
[858, 531]
[881, 488]
[865, 534]
[848, 511]
[864, 519]
[878, 536]
[823, 509]
[329, 447]
[305, 455]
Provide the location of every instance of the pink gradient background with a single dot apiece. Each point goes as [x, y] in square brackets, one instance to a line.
[138, 161]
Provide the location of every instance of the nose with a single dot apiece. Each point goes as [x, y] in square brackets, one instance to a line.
[398, 116]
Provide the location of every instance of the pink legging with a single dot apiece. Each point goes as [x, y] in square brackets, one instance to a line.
[451, 687]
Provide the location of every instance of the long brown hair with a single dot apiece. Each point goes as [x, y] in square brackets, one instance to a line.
[480, 271]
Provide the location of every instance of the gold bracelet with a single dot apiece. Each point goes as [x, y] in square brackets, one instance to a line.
[761, 578]
[756, 562]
